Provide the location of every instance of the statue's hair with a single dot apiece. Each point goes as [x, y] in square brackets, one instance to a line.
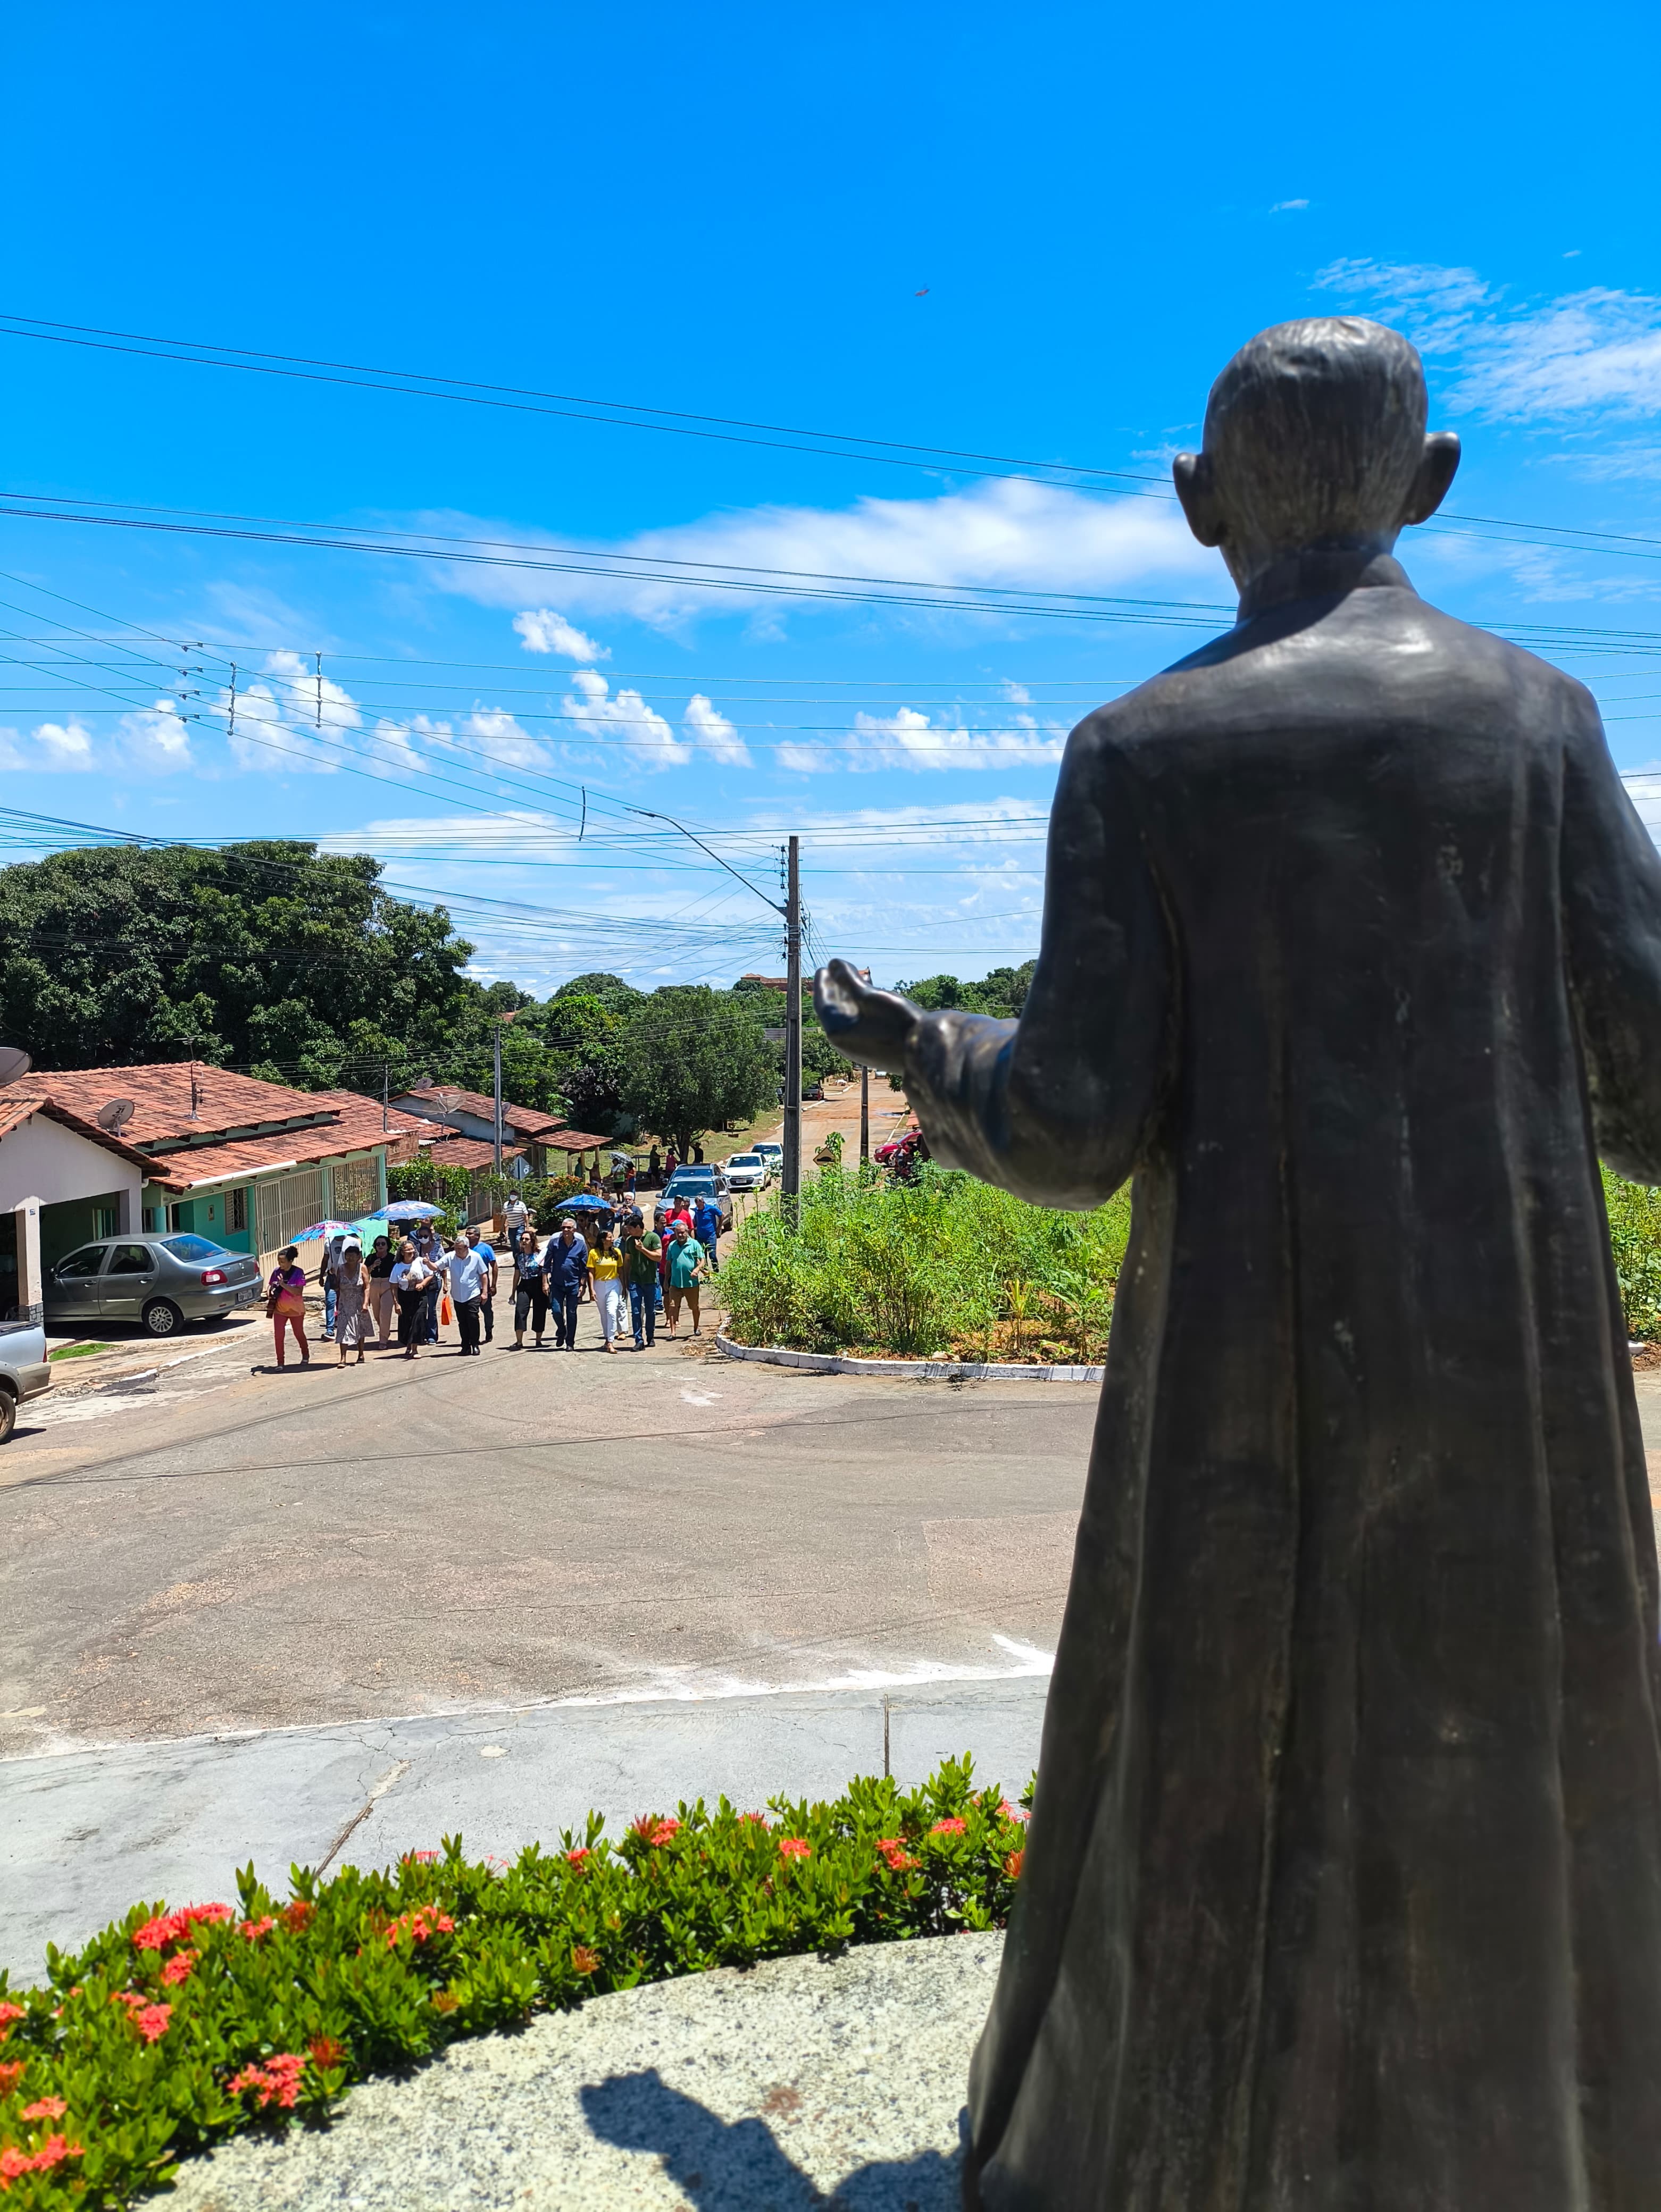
[1315, 428]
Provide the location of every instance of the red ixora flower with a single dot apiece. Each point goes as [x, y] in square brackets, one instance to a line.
[952, 1827]
[577, 1854]
[794, 1847]
[253, 1929]
[1013, 1863]
[51, 2153]
[178, 1968]
[419, 1858]
[11, 2074]
[45, 2108]
[9, 2012]
[759, 1820]
[277, 2082]
[168, 1927]
[300, 1914]
[326, 2049]
[893, 1850]
[418, 1925]
[151, 2021]
[584, 1960]
[655, 1831]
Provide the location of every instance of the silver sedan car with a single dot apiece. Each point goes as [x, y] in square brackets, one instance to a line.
[158, 1283]
[748, 1171]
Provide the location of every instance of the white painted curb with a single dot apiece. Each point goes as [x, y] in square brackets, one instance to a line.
[927, 1371]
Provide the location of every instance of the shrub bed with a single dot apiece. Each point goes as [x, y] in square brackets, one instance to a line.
[172, 2030]
[947, 1265]
[940, 1264]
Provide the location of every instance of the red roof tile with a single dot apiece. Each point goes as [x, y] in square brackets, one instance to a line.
[466, 1152]
[162, 1095]
[523, 1121]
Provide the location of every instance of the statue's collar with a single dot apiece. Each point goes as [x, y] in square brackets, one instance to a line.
[1319, 575]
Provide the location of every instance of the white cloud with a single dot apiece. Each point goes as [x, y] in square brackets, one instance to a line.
[152, 741]
[1591, 353]
[650, 741]
[1000, 535]
[545, 631]
[65, 745]
[709, 728]
[1285, 207]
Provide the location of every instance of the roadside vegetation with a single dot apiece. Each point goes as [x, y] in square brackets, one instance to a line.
[174, 2030]
[945, 1267]
[940, 1266]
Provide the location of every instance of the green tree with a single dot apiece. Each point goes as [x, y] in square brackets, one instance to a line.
[694, 1059]
[266, 954]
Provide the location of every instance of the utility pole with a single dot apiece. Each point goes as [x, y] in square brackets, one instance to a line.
[865, 1099]
[790, 1182]
[496, 1038]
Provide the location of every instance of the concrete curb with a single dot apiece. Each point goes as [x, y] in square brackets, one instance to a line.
[927, 1371]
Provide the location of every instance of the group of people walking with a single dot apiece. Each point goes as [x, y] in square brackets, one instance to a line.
[630, 1271]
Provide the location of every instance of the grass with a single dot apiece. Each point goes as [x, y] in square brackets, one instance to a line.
[172, 2031]
[949, 1265]
[77, 1351]
[943, 1265]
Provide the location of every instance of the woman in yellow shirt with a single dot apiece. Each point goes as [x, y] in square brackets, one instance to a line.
[605, 1279]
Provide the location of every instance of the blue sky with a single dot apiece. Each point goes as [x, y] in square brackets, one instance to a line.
[1031, 235]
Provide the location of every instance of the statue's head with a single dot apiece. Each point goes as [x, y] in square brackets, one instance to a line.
[1315, 440]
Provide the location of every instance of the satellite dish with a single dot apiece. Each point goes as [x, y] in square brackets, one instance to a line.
[13, 1062]
[115, 1114]
[449, 1100]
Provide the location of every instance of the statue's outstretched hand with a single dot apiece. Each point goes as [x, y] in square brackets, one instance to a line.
[869, 1026]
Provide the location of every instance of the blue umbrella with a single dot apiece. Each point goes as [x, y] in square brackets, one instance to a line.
[586, 1205]
[406, 1209]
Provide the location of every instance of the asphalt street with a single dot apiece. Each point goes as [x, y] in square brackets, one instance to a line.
[224, 1551]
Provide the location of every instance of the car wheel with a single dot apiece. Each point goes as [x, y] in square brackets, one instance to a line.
[8, 1415]
[163, 1318]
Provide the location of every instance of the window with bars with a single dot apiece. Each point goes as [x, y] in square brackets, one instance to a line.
[356, 1187]
[237, 1210]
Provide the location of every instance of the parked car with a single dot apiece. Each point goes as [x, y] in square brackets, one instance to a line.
[747, 1171]
[772, 1154]
[23, 1370]
[159, 1283]
[692, 1184]
[812, 1093]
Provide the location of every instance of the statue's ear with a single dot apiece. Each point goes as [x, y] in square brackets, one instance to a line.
[1435, 472]
[1196, 488]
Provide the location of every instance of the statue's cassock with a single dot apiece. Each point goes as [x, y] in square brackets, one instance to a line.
[1343, 1889]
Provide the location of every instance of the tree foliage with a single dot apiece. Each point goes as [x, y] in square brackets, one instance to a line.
[692, 1060]
[266, 954]
[1002, 993]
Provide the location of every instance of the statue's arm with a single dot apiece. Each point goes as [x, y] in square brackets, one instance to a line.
[1611, 891]
[1054, 1107]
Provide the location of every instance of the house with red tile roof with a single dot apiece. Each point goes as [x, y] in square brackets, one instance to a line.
[471, 1114]
[187, 1146]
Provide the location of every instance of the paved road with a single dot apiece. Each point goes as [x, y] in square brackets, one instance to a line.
[231, 1550]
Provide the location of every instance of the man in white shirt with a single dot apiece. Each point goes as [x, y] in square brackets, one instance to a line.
[466, 1275]
[516, 1213]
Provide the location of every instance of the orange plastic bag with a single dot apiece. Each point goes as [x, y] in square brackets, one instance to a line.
[446, 1316]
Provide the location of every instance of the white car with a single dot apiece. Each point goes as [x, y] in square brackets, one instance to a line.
[772, 1154]
[747, 1171]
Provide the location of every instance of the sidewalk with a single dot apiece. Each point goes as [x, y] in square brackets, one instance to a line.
[85, 1834]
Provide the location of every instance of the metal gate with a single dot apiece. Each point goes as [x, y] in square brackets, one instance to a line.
[288, 1203]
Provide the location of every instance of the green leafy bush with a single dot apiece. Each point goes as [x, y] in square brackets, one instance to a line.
[172, 2030]
[1634, 1213]
[939, 1263]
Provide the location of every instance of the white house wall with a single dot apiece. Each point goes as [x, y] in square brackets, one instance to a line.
[46, 1161]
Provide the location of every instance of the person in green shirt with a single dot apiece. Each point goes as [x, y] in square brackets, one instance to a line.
[687, 1269]
[642, 1257]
